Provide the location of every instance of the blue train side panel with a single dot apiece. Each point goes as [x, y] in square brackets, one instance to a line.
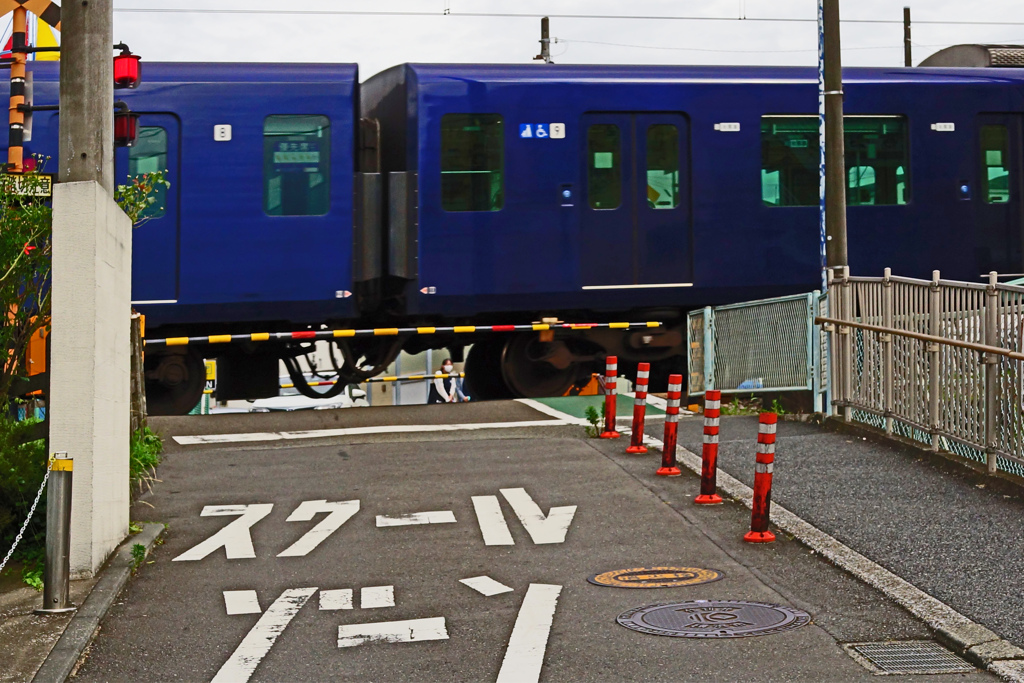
[539, 250]
[215, 258]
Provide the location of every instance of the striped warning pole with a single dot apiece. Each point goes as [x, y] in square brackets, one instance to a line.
[762, 503]
[636, 439]
[669, 468]
[611, 372]
[709, 455]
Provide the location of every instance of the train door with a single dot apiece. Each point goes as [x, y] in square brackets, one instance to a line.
[155, 241]
[1000, 197]
[636, 212]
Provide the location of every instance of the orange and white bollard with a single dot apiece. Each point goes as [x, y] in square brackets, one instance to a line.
[669, 467]
[709, 454]
[762, 507]
[636, 439]
[611, 373]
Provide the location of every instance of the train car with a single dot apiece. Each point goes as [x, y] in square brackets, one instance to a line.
[543, 191]
[258, 230]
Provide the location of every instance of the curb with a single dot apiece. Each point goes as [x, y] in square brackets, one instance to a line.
[86, 621]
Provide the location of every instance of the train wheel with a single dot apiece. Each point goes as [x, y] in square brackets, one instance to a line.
[174, 382]
[533, 369]
[483, 370]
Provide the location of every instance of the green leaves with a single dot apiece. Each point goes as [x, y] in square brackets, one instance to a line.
[138, 194]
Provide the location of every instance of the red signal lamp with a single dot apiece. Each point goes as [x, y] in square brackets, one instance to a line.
[127, 68]
[126, 126]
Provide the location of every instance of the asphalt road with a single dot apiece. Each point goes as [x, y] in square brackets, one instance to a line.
[172, 623]
[941, 527]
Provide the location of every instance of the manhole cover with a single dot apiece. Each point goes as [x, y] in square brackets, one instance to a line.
[713, 619]
[908, 657]
[656, 577]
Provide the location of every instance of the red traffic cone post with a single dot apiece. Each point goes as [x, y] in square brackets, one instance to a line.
[636, 438]
[709, 454]
[762, 504]
[669, 467]
[611, 372]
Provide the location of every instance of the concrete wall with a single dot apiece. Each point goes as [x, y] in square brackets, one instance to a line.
[90, 361]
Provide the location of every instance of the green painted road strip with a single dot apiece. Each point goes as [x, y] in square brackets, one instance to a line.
[577, 405]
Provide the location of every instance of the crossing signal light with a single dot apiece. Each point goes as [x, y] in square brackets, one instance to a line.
[127, 68]
[126, 125]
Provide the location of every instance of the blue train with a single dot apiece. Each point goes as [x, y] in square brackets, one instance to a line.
[498, 194]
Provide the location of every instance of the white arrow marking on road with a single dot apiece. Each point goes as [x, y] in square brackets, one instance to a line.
[235, 538]
[485, 585]
[525, 654]
[492, 522]
[241, 602]
[377, 596]
[411, 631]
[261, 637]
[550, 529]
[336, 599]
[338, 514]
[436, 517]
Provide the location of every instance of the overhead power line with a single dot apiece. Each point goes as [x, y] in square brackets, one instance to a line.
[518, 15]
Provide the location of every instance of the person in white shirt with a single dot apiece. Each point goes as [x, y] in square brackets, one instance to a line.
[444, 388]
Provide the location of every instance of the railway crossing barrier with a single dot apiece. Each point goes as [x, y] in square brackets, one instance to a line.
[669, 467]
[611, 372]
[636, 438]
[709, 452]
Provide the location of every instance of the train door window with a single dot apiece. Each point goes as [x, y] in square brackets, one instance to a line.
[149, 155]
[662, 166]
[877, 157]
[995, 148]
[604, 166]
[296, 165]
[472, 162]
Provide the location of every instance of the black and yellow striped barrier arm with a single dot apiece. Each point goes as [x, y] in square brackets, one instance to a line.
[315, 335]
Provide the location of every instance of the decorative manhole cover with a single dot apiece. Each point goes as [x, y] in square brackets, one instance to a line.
[713, 619]
[656, 577]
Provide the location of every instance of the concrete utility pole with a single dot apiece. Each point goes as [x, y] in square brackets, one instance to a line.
[907, 52]
[16, 118]
[87, 93]
[545, 42]
[835, 165]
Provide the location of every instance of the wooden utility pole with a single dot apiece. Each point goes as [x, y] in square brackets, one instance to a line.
[545, 42]
[907, 52]
[835, 165]
[87, 93]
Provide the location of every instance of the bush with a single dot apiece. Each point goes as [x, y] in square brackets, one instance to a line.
[22, 468]
[146, 448]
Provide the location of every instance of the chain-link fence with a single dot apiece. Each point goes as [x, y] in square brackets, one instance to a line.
[758, 346]
[936, 361]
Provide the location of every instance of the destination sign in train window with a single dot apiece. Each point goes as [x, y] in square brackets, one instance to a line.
[149, 155]
[296, 165]
[472, 162]
[877, 160]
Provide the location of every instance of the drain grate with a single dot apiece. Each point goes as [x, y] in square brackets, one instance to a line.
[908, 657]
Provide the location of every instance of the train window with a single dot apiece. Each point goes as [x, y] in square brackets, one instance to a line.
[876, 160]
[604, 168]
[995, 148]
[296, 165]
[662, 166]
[147, 156]
[472, 163]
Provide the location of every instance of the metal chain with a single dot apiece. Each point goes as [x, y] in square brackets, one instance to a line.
[32, 511]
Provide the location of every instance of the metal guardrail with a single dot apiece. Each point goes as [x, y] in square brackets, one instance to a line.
[937, 361]
[758, 346]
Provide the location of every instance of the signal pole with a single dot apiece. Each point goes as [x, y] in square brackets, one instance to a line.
[835, 165]
[16, 118]
[907, 57]
[545, 43]
[87, 93]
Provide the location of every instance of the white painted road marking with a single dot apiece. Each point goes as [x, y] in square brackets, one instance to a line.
[436, 517]
[492, 522]
[411, 631]
[336, 599]
[235, 538]
[550, 529]
[241, 602]
[261, 637]
[485, 585]
[356, 431]
[338, 514]
[377, 596]
[524, 657]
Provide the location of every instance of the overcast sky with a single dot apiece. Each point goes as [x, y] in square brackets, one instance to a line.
[379, 42]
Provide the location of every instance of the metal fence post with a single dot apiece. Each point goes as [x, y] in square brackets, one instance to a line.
[934, 328]
[846, 345]
[709, 349]
[814, 360]
[887, 350]
[991, 370]
[57, 568]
